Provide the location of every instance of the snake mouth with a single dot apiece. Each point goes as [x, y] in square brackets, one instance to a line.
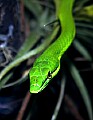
[35, 88]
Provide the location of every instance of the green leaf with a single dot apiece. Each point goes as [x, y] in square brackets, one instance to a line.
[82, 88]
[82, 50]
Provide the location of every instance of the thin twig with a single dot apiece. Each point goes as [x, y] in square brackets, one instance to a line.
[72, 107]
[23, 107]
[22, 17]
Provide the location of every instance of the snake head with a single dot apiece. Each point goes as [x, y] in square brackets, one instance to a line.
[40, 75]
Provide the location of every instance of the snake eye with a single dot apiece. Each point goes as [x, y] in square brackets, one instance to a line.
[49, 75]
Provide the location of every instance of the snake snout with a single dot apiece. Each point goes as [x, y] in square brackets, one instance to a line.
[34, 88]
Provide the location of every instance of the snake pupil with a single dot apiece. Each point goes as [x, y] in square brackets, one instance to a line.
[49, 75]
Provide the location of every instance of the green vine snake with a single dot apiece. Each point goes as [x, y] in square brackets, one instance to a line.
[48, 64]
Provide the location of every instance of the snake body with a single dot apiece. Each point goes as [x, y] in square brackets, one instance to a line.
[48, 64]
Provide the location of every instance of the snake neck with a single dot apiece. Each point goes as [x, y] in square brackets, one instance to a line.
[57, 49]
[67, 25]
